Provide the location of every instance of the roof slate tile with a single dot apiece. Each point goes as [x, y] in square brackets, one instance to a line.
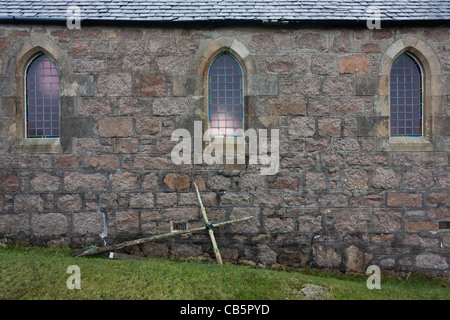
[256, 10]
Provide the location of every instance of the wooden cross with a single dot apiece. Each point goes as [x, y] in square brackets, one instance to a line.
[208, 226]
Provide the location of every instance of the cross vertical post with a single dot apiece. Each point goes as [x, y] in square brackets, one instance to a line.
[209, 227]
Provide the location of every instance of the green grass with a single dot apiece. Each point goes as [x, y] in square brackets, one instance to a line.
[38, 273]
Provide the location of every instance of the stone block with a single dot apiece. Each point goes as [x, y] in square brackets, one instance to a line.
[309, 223]
[421, 178]
[249, 226]
[308, 85]
[312, 145]
[439, 213]
[166, 199]
[323, 64]
[173, 64]
[263, 42]
[386, 220]
[150, 86]
[116, 84]
[334, 200]
[421, 226]
[80, 46]
[286, 182]
[74, 127]
[354, 179]
[384, 178]
[312, 41]
[88, 223]
[76, 181]
[325, 256]
[9, 183]
[151, 162]
[4, 45]
[124, 181]
[147, 126]
[259, 85]
[355, 260]
[69, 202]
[373, 126]
[181, 214]
[14, 224]
[150, 182]
[347, 221]
[293, 200]
[115, 127]
[45, 182]
[153, 249]
[318, 106]
[354, 64]
[279, 64]
[339, 86]
[287, 106]
[141, 200]
[125, 145]
[171, 106]
[130, 34]
[127, 221]
[96, 107]
[380, 34]
[252, 181]
[108, 200]
[342, 43]
[370, 48]
[176, 181]
[48, 224]
[137, 62]
[185, 250]
[437, 198]
[366, 85]
[404, 200]
[109, 162]
[315, 180]
[28, 202]
[333, 160]
[431, 261]
[302, 127]
[367, 200]
[162, 44]
[129, 106]
[329, 127]
[266, 255]
[235, 198]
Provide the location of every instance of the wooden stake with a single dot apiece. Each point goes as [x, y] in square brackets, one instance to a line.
[118, 246]
[209, 227]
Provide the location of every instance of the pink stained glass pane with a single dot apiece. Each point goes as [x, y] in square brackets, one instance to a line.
[405, 97]
[42, 89]
[225, 95]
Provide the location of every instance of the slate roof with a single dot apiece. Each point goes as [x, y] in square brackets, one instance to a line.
[226, 10]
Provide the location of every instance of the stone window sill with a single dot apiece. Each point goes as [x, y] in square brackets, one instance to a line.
[409, 144]
[39, 146]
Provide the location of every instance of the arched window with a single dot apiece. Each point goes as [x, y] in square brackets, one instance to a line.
[406, 97]
[42, 98]
[225, 96]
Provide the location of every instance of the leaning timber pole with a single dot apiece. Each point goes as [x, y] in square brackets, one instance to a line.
[209, 227]
[94, 250]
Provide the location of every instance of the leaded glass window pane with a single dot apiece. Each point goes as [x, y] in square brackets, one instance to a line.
[42, 98]
[406, 97]
[225, 96]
